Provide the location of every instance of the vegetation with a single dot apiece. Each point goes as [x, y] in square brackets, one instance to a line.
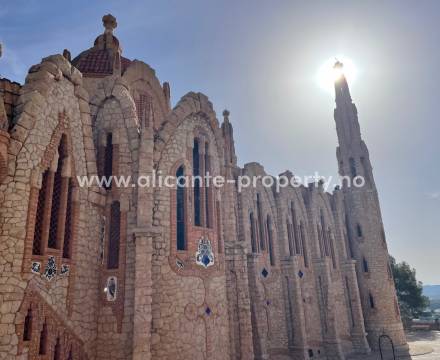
[412, 302]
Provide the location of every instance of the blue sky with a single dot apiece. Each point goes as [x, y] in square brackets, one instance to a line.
[259, 59]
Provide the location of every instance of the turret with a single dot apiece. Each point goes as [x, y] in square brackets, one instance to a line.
[228, 136]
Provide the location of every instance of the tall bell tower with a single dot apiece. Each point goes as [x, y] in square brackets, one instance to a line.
[364, 223]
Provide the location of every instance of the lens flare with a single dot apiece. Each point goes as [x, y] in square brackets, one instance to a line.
[327, 73]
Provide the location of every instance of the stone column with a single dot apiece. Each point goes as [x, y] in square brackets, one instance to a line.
[358, 333]
[142, 295]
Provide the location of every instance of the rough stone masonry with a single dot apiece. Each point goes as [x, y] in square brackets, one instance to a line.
[111, 272]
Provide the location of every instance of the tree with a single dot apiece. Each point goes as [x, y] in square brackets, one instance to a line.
[412, 302]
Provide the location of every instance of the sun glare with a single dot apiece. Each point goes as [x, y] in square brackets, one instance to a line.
[327, 74]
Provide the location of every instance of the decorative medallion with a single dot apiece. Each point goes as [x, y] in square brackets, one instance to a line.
[111, 288]
[51, 269]
[36, 267]
[64, 269]
[204, 254]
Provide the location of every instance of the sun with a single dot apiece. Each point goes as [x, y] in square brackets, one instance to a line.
[327, 74]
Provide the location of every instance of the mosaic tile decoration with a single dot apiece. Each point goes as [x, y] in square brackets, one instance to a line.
[204, 254]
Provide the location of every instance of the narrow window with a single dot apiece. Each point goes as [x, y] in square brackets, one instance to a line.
[365, 265]
[372, 305]
[295, 228]
[270, 242]
[196, 174]
[56, 196]
[289, 237]
[303, 244]
[207, 192]
[114, 236]
[68, 224]
[39, 218]
[180, 210]
[57, 350]
[390, 271]
[353, 168]
[366, 170]
[321, 245]
[108, 160]
[27, 331]
[253, 238]
[359, 230]
[70, 356]
[261, 224]
[43, 340]
[219, 227]
[332, 248]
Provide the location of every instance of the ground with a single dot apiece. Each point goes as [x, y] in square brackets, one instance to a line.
[424, 345]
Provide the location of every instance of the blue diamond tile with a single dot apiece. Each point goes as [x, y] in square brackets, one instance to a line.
[300, 274]
[265, 272]
[208, 311]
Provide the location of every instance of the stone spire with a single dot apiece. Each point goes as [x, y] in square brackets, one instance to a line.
[109, 22]
[364, 223]
[228, 136]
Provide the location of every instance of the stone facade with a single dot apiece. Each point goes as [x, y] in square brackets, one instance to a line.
[124, 272]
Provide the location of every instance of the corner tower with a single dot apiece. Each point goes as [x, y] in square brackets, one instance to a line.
[364, 223]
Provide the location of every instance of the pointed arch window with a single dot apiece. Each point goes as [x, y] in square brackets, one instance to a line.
[58, 190]
[207, 188]
[180, 210]
[27, 330]
[295, 235]
[253, 233]
[37, 248]
[57, 350]
[114, 236]
[43, 340]
[53, 226]
[219, 227]
[353, 168]
[260, 220]
[365, 265]
[270, 240]
[197, 184]
[371, 300]
[289, 237]
[108, 160]
[303, 244]
[359, 230]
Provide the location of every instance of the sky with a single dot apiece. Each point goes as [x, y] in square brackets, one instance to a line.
[259, 59]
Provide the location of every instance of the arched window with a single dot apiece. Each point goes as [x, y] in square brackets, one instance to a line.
[108, 160]
[303, 244]
[68, 223]
[207, 189]
[270, 240]
[219, 227]
[295, 236]
[359, 230]
[197, 184]
[114, 236]
[332, 248]
[70, 356]
[27, 330]
[261, 224]
[57, 193]
[40, 215]
[365, 265]
[371, 299]
[54, 210]
[289, 237]
[253, 233]
[180, 210]
[43, 340]
[353, 168]
[57, 350]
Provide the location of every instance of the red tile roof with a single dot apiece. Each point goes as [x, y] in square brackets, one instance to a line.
[98, 62]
